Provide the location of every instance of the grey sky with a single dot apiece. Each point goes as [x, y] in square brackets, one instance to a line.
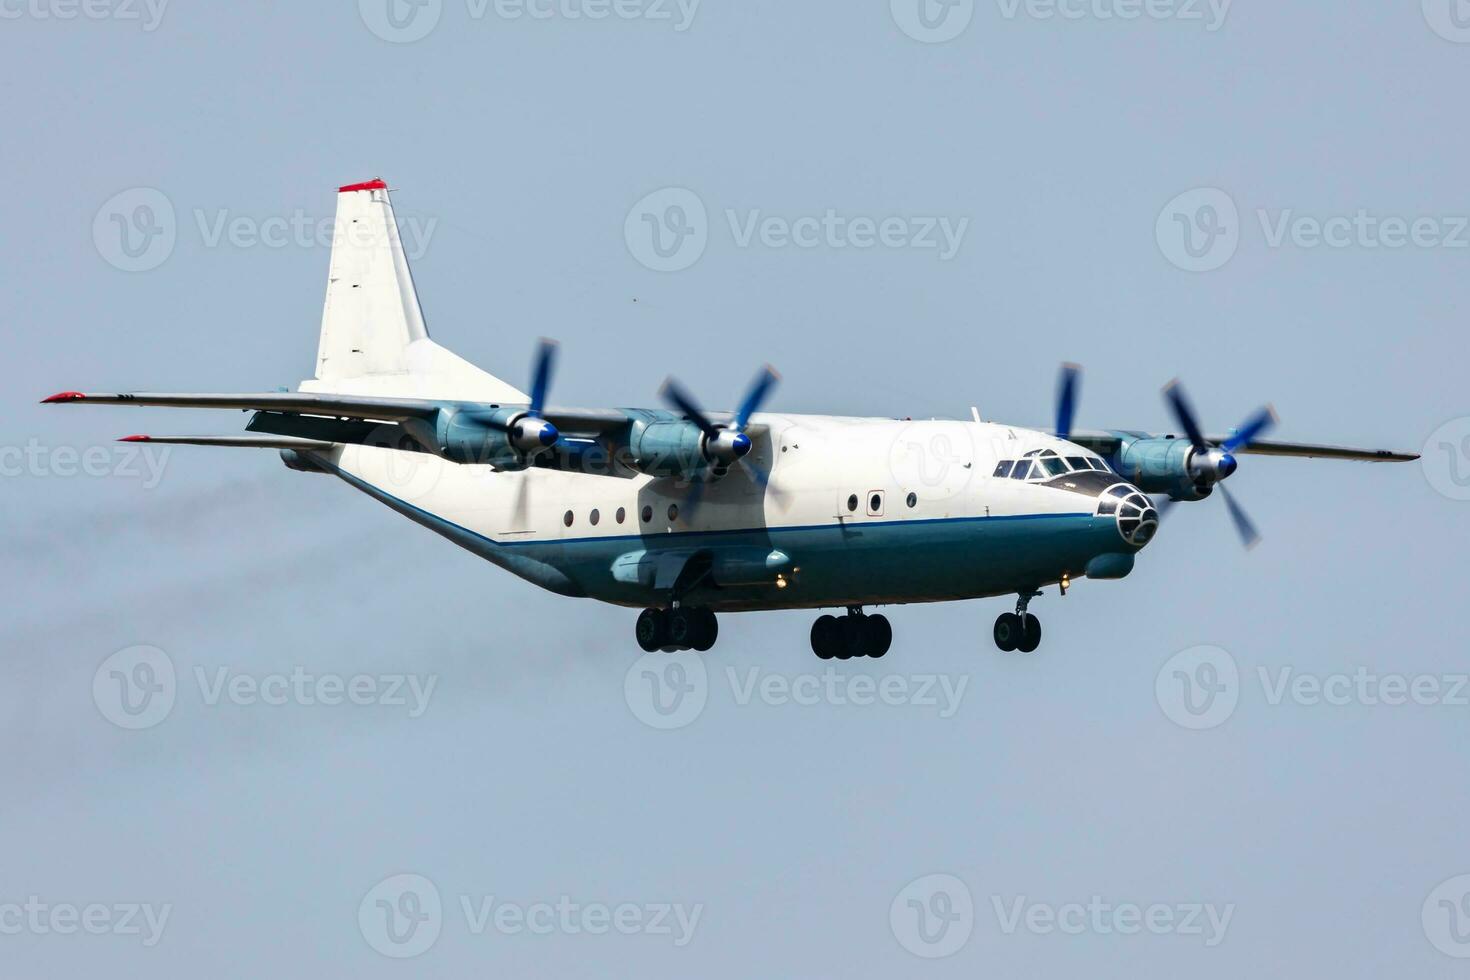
[518, 147]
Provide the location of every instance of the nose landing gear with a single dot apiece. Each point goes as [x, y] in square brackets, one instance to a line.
[853, 635]
[1018, 630]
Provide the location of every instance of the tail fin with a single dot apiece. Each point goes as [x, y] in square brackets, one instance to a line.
[373, 338]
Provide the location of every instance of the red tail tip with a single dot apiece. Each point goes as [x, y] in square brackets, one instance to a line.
[136, 439]
[368, 185]
[63, 396]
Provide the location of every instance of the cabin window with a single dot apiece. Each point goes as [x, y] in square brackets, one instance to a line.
[594, 517]
[913, 499]
[567, 518]
[852, 502]
[673, 512]
[875, 503]
[621, 515]
[647, 513]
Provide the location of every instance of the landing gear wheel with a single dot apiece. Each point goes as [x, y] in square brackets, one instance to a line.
[651, 629]
[682, 627]
[707, 629]
[826, 637]
[850, 629]
[879, 635]
[1008, 631]
[1030, 634]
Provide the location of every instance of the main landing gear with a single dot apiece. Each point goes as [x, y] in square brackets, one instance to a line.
[680, 628]
[1018, 630]
[853, 635]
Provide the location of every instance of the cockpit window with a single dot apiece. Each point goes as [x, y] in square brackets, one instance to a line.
[1077, 462]
[1022, 470]
[1003, 468]
[1053, 464]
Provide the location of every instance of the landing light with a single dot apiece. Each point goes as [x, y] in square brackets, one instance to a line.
[780, 581]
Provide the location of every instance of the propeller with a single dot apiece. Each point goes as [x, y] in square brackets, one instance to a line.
[1067, 399]
[1214, 464]
[530, 432]
[726, 444]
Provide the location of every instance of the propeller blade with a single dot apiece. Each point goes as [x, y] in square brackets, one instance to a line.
[1253, 427]
[1174, 395]
[692, 501]
[1249, 536]
[756, 471]
[519, 510]
[541, 376]
[759, 389]
[676, 396]
[1067, 399]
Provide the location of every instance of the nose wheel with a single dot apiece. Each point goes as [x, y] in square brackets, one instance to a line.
[1018, 630]
[853, 635]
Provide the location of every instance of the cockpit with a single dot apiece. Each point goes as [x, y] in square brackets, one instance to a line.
[1046, 464]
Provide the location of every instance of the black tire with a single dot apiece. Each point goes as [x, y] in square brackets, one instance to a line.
[854, 637]
[682, 628]
[879, 635]
[1008, 631]
[825, 636]
[1030, 634]
[650, 630]
[707, 631]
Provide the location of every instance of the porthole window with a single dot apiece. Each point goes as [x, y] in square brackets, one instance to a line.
[852, 502]
[875, 502]
[594, 517]
[647, 513]
[567, 519]
[673, 512]
[621, 515]
[913, 499]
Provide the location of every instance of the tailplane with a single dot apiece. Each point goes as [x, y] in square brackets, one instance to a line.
[373, 338]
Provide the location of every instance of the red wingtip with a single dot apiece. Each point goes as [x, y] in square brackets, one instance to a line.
[63, 396]
[375, 184]
[136, 439]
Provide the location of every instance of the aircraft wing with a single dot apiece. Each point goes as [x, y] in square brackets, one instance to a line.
[1107, 442]
[365, 407]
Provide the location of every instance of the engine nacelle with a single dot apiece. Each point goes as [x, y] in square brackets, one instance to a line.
[504, 438]
[667, 448]
[1162, 466]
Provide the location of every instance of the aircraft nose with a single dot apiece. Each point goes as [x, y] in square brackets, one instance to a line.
[1132, 511]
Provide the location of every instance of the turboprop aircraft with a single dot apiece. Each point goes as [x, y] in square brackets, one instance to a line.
[686, 513]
